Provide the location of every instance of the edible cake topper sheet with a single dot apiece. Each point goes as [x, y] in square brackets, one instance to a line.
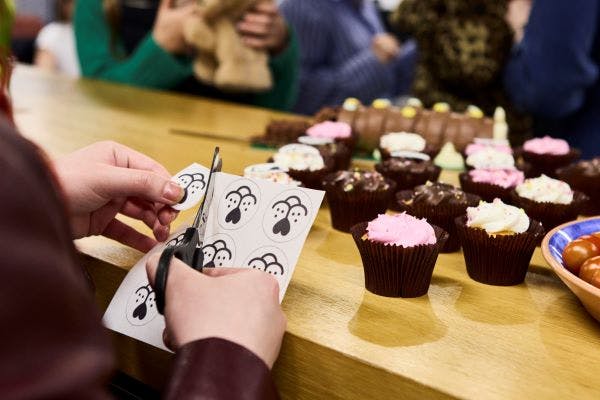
[252, 223]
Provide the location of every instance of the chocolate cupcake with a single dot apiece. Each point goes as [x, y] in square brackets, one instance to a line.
[356, 196]
[440, 204]
[498, 241]
[408, 172]
[550, 201]
[490, 184]
[398, 253]
[546, 155]
[304, 163]
[584, 176]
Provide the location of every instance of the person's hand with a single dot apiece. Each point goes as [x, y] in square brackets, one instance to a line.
[168, 26]
[385, 47]
[263, 28]
[239, 305]
[517, 17]
[106, 178]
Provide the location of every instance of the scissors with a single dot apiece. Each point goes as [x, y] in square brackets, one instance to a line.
[187, 249]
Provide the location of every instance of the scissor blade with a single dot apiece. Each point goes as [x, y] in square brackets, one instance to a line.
[200, 220]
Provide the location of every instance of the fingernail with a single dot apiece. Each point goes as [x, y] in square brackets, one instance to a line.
[173, 192]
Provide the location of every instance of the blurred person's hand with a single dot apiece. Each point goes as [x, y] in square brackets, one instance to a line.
[263, 28]
[168, 26]
[517, 17]
[385, 47]
[239, 305]
[106, 179]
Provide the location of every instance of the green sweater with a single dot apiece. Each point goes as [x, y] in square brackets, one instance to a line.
[152, 67]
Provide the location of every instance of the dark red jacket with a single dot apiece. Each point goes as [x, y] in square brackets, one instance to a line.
[52, 343]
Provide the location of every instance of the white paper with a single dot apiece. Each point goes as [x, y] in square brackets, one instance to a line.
[252, 223]
[193, 180]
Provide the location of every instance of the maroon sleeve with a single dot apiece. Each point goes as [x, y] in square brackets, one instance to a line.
[217, 369]
[52, 343]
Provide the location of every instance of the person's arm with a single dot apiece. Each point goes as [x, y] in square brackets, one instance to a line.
[148, 66]
[44, 44]
[52, 342]
[362, 75]
[551, 68]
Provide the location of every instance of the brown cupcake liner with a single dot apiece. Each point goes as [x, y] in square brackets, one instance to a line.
[547, 164]
[408, 180]
[551, 215]
[350, 208]
[588, 185]
[486, 191]
[395, 271]
[310, 179]
[500, 260]
[440, 215]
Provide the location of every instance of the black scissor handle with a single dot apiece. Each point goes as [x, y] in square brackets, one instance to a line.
[185, 251]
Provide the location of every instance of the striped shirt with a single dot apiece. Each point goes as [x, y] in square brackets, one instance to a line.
[336, 58]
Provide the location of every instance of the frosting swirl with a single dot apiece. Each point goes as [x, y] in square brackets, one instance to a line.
[547, 145]
[491, 159]
[400, 230]
[299, 157]
[330, 129]
[546, 190]
[270, 172]
[497, 218]
[506, 178]
[402, 141]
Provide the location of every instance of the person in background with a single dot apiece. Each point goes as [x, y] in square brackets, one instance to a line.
[142, 44]
[346, 52]
[55, 44]
[554, 73]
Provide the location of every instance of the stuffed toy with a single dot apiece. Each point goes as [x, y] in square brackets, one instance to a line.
[222, 59]
[463, 48]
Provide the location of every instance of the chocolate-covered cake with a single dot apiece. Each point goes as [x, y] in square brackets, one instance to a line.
[283, 131]
[356, 196]
[584, 176]
[440, 204]
[408, 172]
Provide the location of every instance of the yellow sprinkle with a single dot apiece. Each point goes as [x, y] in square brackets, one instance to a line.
[441, 107]
[351, 104]
[381, 103]
[475, 112]
[408, 112]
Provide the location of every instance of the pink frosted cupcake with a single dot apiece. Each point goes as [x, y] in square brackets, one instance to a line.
[548, 154]
[398, 254]
[337, 131]
[491, 183]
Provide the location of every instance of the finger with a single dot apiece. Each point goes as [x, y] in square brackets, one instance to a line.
[256, 29]
[143, 211]
[167, 340]
[166, 215]
[266, 7]
[166, 4]
[177, 271]
[112, 182]
[254, 18]
[160, 231]
[128, 158]
[255, 42]
[125, 234]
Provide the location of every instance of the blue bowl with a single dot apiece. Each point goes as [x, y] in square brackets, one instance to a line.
[552, 248]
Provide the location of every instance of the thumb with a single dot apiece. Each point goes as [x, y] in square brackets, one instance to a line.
[178, 271]
[165, 4]
[115, 182]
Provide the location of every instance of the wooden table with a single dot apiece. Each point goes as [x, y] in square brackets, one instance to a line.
[462, 340]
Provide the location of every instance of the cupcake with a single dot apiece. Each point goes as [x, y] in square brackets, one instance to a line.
[303, 163]
[398, 253]
[547, 154]
[440, 204]
[449, 158]
[394, 142]
[490, 158]
[584, 176]
[270, 172]
[356, 196]
[329, 149]
[498, 241]
[410, 171]
[550, 201]
[491, 183]
[337, 131]
[484, 144]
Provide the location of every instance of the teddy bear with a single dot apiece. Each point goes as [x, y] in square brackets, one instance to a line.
[463, 48]
[222, 59]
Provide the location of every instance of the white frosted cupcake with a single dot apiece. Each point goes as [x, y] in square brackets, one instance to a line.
[550, 201]
[498, 241]
[304, 163]
[490, 158]
[396, 142]
[270, 172]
